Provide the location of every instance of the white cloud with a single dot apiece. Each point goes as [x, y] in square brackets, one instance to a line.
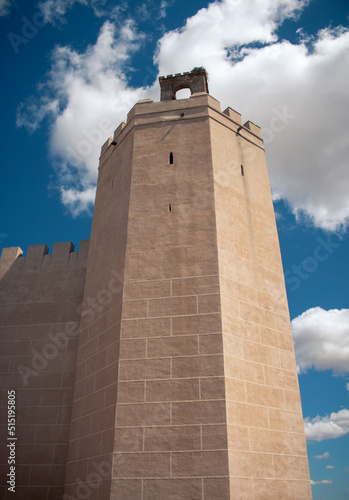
[329, 427]
[324, 481]
[223, 24]
[307, 150]
[54, 11]
[324, 456]
[164, 5]
[303, 112]
[78, 201]
[86, 96]
[5, 6]
[347, 386]
[321, 339]
[330, 467]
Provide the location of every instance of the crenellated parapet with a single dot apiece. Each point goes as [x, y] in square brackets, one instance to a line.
[38, 258]
[198, 106]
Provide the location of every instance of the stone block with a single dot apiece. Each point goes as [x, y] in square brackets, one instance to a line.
[197, 366]
[241, 488]
[210, 344]
[214, 437]
[201, 323]
[243, 369]
[247, 415]
[257, 315]
[278, 377]
[212, 388]
[241, 329]
[291, 467]
[128, 439]
[269, 441]
[238, 438]
[175, 306]
[248, 464]
[172, 438]
[149, 289]
[209, 303]
[143, 414]
[134, 309]
[264, 396]
[143, 328]
[172, 390]
[147, 464]
[302, 490]
[144, 369]
[161, 489]
[216, 487]
[130, 392]
[198, 412]
[200, 463]
[264, 489]
[172, 346]
[197, 285]
[126, 488]
[130, 349]
[275, 338]
[286, 421]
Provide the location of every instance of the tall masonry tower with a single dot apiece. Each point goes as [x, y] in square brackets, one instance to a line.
[186, 380]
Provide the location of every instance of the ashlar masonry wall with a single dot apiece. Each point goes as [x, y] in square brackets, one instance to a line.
[40, 308]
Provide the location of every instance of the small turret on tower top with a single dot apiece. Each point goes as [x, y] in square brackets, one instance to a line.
[195, 80]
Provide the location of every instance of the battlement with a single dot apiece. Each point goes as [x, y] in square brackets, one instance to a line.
[38, 257]
[197, 105]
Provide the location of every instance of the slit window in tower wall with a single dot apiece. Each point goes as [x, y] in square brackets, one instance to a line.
[170, 207]
[242, 170]
[171, 158]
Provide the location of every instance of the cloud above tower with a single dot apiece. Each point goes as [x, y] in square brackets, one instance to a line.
[297, 93]
[84, 96]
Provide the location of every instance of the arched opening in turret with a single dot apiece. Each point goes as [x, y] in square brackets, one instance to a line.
[183, 93]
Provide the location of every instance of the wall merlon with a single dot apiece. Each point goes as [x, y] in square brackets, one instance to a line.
[38, 258]
[11, 253]
[83, 248]
[234, 115]
[119, 129]
[62, 249]
[106, 145]
[35, 254]
[255, 129]
[112, 140]
[8, 257]
[207, 99]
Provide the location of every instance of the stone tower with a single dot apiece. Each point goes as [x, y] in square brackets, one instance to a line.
[186, 384]
[157, 362]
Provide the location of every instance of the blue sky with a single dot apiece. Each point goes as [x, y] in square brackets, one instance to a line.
[73, 68]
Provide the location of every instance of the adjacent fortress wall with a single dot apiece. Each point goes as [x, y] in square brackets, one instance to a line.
[40, 307]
